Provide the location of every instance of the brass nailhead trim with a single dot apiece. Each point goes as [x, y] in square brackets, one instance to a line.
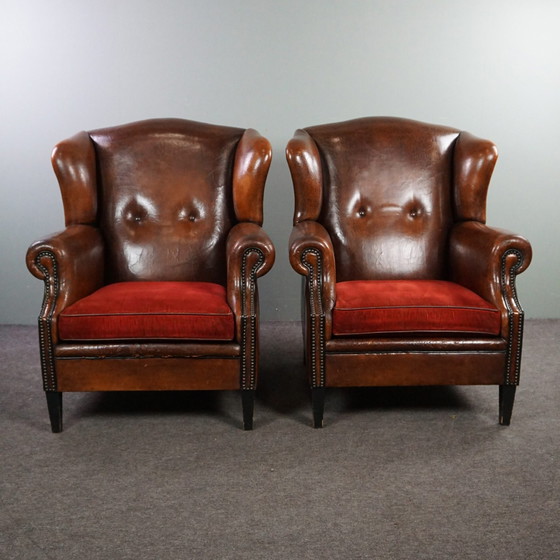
[517, 358]
[249, 319]
[315, 286]
[51, 283]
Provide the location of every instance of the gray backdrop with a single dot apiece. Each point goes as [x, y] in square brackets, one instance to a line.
[487, 66]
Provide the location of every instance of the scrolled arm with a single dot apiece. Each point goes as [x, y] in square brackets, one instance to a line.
[312, 255]
[250, 254]
[71, 263]
[487, 260]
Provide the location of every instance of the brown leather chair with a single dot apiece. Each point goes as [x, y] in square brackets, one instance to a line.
[404, 282]
[153, 283]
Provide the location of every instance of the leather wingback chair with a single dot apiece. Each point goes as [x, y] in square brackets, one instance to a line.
[405, 284]
[153, 283]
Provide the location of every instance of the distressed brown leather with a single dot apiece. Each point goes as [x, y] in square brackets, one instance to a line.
[167, 199]
[156, 200]
[385, 202]
[146, 349]
[382, 198]
[149, 374]
[381, 369]
[417, 343]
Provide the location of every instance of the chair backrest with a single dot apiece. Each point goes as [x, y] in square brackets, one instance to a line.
[161, 193]
[388, 198]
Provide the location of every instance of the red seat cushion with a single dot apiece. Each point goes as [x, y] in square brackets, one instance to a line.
[390, 306]
[147, 310]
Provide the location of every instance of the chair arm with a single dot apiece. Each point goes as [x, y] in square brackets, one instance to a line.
[486, 260]
[71, 264]
[250, 254]
[312, 254]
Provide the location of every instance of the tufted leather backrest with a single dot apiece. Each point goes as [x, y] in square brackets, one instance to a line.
[387, 196]
[161, 193]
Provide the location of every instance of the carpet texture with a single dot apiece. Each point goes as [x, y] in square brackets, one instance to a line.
[410, 473]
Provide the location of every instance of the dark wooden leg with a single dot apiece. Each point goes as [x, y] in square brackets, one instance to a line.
[507, 396]
[318, 405]
[54, 403]
[248, 403]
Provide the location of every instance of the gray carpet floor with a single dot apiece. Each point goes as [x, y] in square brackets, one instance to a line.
[410, 473]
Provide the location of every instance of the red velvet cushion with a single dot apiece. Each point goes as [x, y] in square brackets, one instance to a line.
[388, 306]
[141, 310]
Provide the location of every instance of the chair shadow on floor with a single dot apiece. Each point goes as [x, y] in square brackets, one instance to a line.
[277, 400]
[126, 404]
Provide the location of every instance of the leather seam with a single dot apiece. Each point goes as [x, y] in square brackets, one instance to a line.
[465, 308]
[414, 331]
[150, 314]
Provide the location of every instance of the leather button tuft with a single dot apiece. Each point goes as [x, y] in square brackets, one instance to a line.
[134, 213]
[362, 212]
[133, 217]
[184, 214]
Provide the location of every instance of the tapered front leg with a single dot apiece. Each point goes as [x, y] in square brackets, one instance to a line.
[248, 403]
[318, 405]
[54, 404]
[507, 396]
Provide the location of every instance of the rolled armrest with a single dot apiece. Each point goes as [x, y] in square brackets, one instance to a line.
[311, 251]
[250, 254]
[486, 260]
[71, 263]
